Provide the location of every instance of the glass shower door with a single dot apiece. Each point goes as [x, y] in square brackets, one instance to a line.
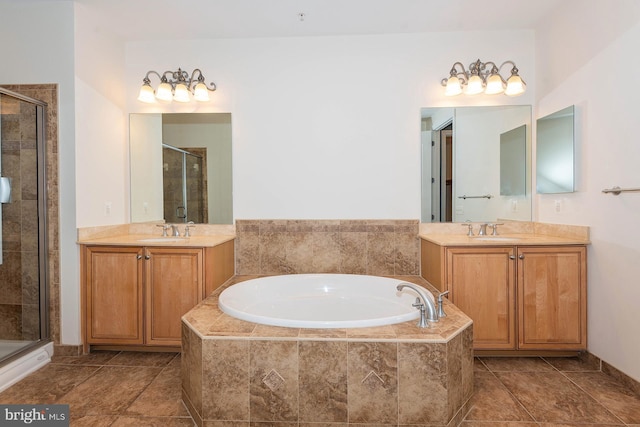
[183, 186]
[23, 268]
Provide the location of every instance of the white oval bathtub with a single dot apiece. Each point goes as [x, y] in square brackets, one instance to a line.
[320, 301]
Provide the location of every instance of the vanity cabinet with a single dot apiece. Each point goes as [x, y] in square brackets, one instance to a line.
[519, 297]
[482, 283]
[137, 295]
[114, 295]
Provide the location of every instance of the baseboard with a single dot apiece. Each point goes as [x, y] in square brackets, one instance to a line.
[621, 377]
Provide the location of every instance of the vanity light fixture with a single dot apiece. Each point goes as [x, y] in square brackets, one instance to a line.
[177, 86]
[483, 77]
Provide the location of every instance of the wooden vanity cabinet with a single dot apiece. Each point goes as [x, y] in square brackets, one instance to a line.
[137, 295]
[519, 297]
[552, 298]
[114, 295]
[174, 285]
[481, 282]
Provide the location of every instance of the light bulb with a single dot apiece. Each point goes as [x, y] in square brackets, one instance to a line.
[163, 93]
[515, 86]
[453, 86]
[200, 92]
[146, 94]
[495, 85]
[475, 85]
[181, 93]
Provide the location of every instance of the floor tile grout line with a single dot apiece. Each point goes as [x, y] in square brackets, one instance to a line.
[594, 398]
[514, 396]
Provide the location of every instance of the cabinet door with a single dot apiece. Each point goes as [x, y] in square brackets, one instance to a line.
[552, 289]
[113, 295]
[481, 282]
[174, 281]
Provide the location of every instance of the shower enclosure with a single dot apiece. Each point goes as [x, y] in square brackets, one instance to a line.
[184, 185]
[23, 269]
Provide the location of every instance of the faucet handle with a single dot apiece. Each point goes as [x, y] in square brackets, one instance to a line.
[165, 227]
[441, 312]
[190, 224]
[470, 230]
[494, 228]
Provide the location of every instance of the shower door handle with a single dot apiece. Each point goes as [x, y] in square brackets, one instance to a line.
[181, 212]
[5, 190]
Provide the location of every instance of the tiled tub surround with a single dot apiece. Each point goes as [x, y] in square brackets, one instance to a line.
[242, 372]
[376, 247]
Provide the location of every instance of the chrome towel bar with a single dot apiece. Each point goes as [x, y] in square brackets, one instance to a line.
[486, 196]
[617, 190]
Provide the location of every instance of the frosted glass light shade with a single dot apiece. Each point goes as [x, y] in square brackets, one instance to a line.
[163, 93]
[495, 85]
[146, 94]
[453, 87]
[181, 93]
[515, 86]
[200, 92]
[475, 85]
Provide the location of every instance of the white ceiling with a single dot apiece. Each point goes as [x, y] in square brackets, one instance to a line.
[204, 19]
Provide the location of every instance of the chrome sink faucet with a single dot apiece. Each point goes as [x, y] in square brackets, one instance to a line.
[174, 230]
[428, 311]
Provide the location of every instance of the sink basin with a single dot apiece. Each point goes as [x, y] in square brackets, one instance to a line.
[497, 239]
[163, 239]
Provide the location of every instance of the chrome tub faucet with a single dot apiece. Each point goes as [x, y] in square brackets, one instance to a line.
[426, 305]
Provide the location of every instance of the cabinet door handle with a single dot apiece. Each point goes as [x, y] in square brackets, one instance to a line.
[512, 257]
[521, 256]
[139, 257]
[147, 257]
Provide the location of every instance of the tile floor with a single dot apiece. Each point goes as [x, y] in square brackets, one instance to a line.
[143, 389]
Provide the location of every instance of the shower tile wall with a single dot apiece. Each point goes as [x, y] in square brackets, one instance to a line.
[21, 216]
[377, 247]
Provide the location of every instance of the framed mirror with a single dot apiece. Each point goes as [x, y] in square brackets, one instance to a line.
[181, 168]
[555, 152]
[476, 164]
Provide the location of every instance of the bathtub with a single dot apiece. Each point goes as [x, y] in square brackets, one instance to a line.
[320, 301]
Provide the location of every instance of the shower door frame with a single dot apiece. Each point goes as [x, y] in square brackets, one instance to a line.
[43, 241]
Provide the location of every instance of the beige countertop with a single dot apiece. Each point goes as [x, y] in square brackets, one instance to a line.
[524, 239]
[155, 240]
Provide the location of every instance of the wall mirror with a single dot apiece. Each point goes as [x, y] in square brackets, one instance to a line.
[555, 152]
[181, 167]
[476, 164]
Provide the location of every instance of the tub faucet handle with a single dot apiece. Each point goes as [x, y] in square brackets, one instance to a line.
[441, 312]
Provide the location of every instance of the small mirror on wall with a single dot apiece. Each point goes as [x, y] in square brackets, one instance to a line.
[555, 152]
